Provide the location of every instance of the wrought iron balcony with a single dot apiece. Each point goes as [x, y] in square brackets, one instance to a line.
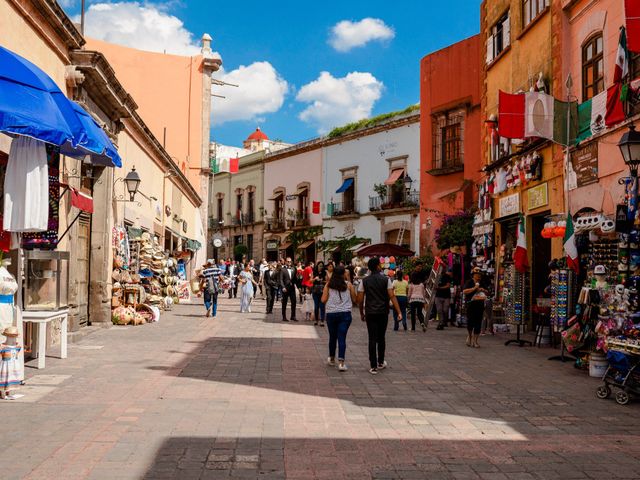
[215, 223]
[274, 225]
[393, 201]
[340, 209]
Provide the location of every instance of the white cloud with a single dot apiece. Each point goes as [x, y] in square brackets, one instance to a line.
[142, 26]
[260, 90]
[346, 35]
[336, 101]
[67, 3]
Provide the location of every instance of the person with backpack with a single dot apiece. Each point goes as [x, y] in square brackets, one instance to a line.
[374, 293]
[210, 287]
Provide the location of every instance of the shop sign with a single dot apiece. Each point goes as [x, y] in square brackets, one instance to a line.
[291, 197]
[272, 245]
[622, 219]
[509, 205]
[537, 196]
[585, 164]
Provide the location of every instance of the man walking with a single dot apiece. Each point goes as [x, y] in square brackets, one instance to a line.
[374, 293]
[270, 286]
[443, 299]
[234, 271]
[287, 281]
[209, 285]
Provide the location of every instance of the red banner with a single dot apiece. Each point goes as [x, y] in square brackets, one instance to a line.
[632, 14]
[315, 207]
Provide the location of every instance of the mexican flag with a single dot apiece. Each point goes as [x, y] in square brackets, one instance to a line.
[570, 246]
[234, 165]
[602, 111]
[622, 58]
[537, 114]
[520, 255]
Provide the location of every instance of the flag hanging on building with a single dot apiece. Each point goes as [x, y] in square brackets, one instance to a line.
[541, 116]
[599, 112]
[511, 109]
[570, 246]
[622, 58]
[520, 258]
[215, 166]
[315, 208]
[221, 165]
[632, 17]
[234, 165]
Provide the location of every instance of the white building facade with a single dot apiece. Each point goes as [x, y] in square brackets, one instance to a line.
[370, 180]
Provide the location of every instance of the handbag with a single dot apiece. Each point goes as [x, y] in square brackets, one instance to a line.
[572, 336]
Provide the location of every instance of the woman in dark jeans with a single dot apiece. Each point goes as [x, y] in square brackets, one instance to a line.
[319, 281]
[339, 297]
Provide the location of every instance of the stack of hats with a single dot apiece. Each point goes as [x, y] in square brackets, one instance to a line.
[158, 272]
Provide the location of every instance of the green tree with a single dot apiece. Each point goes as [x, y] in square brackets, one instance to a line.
[456, 229]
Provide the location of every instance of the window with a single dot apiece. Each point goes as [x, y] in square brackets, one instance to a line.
[250, 246]
[239, 204]
[220, 209]
[531, 9]
[278, 209]
[303, 204]
[251, 204]
[499, 37]
[448, 133]
[634, 65]
[349, 198]
[592, 67]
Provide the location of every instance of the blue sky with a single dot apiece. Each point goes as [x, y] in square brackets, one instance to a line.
[285, 48]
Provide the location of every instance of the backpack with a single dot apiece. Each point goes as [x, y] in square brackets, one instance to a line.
[212, 285]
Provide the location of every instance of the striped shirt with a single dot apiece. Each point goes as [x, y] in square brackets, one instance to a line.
[211, 272]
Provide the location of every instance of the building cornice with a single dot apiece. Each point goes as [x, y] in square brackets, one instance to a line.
[102, 84]
[326, 141]
[60, 22]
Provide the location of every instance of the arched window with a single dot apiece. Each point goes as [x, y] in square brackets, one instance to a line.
[592, 67]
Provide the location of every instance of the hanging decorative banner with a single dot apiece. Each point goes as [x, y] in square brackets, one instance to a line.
[537, 196]
[585, 164]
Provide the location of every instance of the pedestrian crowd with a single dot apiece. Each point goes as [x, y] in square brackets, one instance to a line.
[328, 292]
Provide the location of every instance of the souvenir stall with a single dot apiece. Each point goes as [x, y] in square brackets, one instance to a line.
[41, 124]
[146, 279]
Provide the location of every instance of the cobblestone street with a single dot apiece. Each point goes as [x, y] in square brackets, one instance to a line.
[246, 396]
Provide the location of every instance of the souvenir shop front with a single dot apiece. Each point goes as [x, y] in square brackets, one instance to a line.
[44, 137]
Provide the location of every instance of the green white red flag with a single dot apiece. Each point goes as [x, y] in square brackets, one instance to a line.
[622, 58]
[570, 246]
[520, 258]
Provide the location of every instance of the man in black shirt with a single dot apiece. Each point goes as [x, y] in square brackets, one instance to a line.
[443, 299]
[374, 293]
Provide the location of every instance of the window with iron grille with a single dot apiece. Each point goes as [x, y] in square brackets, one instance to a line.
[448, 133]
[499, 37]
[531, 9]
[592, 67]
[220, 209]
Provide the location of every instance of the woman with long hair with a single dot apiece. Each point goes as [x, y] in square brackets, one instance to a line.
[248, 285]
[339, 296]
[417, 301]
[319, 281]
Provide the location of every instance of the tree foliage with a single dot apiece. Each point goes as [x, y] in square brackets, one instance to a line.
[456, 229]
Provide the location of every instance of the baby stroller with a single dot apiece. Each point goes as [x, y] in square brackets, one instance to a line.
[622, 373]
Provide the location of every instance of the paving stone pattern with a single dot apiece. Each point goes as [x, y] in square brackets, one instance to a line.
[249, 397]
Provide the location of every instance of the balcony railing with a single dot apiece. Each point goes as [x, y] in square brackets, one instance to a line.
[387, 202]
[339, 209]
[215, 223]
[274, 225]
[298, 219]
[243, 219]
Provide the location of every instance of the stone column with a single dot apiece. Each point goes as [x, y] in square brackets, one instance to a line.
[101, 259]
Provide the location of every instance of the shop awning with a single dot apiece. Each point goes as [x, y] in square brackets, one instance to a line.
[395, 175]
[305, 245]
[302, 190]
[357, 247]
[284, 246]
[276, 196]
[345, 185]
[32, 104]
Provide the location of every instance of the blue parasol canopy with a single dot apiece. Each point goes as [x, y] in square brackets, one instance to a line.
[32, 104]
[97, 143]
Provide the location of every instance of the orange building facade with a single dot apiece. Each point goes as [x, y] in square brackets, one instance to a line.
[450, 131]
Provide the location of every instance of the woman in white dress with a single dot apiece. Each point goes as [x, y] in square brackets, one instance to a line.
[247, 284]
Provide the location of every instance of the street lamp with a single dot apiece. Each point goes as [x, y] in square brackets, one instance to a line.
[132, 181]
[629, 146]
[408, 181]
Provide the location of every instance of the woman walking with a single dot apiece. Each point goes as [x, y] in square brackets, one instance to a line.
[475, 295]
[339, 296]
[416, 302]
[400, 288]
[319, 281]
[247, 284]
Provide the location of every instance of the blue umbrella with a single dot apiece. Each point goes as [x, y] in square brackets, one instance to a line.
[97, 143]
[32, 104]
